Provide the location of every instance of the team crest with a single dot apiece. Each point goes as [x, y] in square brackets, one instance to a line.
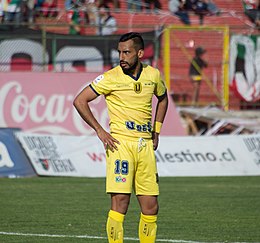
[44, 163]
[138, 87]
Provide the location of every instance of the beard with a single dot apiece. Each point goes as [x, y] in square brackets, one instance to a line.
[129, 68]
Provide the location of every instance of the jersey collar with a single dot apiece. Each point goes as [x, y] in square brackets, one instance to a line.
[138, 75]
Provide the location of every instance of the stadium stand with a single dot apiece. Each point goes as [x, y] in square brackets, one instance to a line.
[232, 14]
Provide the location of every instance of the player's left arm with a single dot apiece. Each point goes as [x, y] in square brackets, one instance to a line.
[161, 109]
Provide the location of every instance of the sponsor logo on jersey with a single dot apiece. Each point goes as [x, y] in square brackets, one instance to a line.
[120, 179]
[131, 125]
[98, 79]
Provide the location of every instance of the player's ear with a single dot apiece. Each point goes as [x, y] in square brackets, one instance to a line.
[140, 53]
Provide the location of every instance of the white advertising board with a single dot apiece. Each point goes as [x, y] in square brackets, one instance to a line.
[225, 155]
[61, 155]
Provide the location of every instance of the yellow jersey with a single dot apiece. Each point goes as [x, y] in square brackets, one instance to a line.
[129, 99]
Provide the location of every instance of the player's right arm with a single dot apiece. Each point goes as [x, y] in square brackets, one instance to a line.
[81, 103]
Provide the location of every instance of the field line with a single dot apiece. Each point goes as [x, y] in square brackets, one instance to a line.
[89, 237]
[52, 236]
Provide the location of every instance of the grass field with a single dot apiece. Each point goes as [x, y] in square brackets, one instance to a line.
[198, 209]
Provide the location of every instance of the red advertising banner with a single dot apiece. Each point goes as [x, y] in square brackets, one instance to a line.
[42, 103]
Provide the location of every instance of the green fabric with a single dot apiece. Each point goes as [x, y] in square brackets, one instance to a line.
[16, 2]
[75, 21]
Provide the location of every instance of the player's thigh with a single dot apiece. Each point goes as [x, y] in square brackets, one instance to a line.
[120, 169]
[146, 178]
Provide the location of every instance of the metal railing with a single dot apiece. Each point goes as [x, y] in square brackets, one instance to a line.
[38, 50]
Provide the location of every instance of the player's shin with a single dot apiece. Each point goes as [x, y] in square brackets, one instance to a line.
[115, 231]
[147, 228]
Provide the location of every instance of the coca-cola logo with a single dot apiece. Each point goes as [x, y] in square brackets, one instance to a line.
[46, 106]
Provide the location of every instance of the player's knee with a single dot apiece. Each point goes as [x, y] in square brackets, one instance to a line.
[120, 203]
[151, 210]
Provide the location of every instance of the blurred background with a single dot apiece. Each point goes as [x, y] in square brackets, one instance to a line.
[64, 37]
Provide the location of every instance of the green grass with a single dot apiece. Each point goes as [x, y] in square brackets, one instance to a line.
[201, 209]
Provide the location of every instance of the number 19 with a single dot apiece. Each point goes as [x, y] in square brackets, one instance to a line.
[121, 167]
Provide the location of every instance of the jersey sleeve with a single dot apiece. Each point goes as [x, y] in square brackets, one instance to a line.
[101, 85]
[160, 89]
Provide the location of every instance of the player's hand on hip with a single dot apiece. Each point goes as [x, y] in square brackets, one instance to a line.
[108, 141]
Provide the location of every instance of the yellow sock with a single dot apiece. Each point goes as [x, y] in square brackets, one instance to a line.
[115, 231]
[147, 228]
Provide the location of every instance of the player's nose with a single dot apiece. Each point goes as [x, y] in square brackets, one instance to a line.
[121, 57]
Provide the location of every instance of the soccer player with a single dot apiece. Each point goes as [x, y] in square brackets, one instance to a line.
[128, 89]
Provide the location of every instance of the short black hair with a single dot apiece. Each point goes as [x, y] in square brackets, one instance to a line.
[136, 37]
[199, 51]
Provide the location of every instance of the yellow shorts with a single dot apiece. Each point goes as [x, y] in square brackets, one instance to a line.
[132, 167]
